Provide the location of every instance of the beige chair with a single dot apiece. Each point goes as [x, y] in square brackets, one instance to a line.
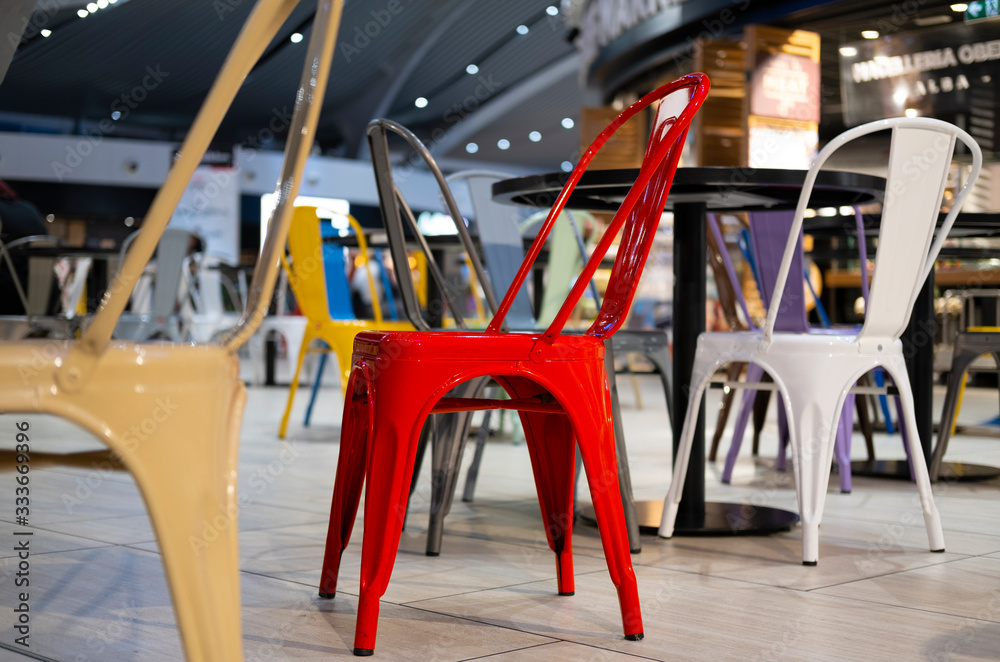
[187, 399]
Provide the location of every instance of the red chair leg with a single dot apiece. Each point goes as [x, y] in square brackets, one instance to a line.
[598, 451]
[354, 444]
[551, 446]
[395, 431]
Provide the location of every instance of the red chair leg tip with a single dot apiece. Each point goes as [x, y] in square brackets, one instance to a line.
[567, 592]
[326, 596]
[364, 652]
[635, 637]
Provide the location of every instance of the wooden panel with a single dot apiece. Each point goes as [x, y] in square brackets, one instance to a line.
[625, 148]
[720, 127]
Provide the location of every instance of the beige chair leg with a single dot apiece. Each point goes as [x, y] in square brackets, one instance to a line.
[173, 416]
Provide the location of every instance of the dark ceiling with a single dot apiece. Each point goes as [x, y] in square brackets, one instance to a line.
[77, 76]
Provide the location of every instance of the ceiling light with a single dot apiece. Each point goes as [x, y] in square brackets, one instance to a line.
[848, 51]
[959, 7]
[129, 221]
[567, 122]
[46, 32]
[552, 10]
[869, 34]
[472, 148]
[116, 115]
[910, 112]
[420, 102]
[566, 166]
[503, 143]
[296, 37]
[51, 218]
[92, 7]
[534, 136]
[472, 70]
[522, 29]
[102, 4]
[82, 13]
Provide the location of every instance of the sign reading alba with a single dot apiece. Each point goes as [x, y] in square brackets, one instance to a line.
[934, 72]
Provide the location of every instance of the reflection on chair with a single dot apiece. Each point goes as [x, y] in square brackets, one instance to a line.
[813, 405]
[186, 399]
[557, 382]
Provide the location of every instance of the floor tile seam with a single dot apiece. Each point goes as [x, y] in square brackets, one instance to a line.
[910, 608]
[28, 655]
[500, 588]
[940, 564]
[513, 650]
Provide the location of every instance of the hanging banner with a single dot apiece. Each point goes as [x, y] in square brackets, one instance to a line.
[210, 207]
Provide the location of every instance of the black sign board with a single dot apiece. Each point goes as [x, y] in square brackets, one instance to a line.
[937, 72]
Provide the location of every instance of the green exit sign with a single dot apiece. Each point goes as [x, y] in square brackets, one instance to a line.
[980, 9]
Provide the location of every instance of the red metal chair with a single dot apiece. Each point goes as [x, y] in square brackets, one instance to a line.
[557, 382]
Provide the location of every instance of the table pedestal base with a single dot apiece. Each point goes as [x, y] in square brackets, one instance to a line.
[721, 519]
[900, 469]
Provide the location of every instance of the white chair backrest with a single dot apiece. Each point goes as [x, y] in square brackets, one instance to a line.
[919, 159]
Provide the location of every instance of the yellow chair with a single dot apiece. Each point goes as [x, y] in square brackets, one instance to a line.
[307, 279]
[172, 413]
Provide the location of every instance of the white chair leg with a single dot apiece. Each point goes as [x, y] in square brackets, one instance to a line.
[673, 497]
[932, 519]
[812, 424]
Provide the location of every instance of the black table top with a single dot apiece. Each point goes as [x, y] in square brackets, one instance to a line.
[720, 188]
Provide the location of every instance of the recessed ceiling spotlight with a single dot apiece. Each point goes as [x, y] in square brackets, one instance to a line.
[420, 102]
[522, 29]
[869, 34]
[911, 112]
[567, 123]
[552, 10]
[82, 13]
[566, 166]
[46, 32]
[472, 70]
[959, 7]
[472, 148]
[92, 7]
[102, 4]
[296, 37]
[129, 221]
[116, 115]
[534, 136]
[51, 218]
[503, 143]
[848, 51]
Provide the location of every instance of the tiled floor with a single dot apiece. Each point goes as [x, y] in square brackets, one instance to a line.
[98, 591]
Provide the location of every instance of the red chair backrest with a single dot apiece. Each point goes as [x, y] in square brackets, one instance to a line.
[639, 212]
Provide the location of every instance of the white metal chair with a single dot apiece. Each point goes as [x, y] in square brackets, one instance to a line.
[186, 398]
[814, 372]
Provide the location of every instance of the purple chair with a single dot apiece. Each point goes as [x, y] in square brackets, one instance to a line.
[769, 232]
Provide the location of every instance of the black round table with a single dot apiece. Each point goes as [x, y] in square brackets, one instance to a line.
[694, 193]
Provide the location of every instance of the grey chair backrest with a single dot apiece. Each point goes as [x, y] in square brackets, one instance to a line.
[170, 253]
[394, 208]
[498, 228]
[41, 273]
